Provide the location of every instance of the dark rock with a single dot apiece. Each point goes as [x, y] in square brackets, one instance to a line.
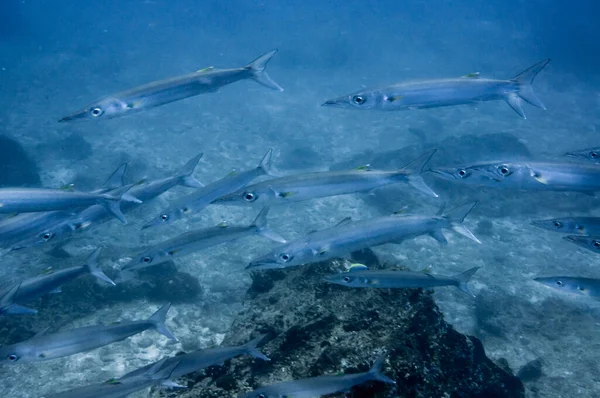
[531, 371]
[74, 148]
[316, 329]
[16, 168]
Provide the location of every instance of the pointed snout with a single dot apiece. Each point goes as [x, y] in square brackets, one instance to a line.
[329, 102]
[75, 116]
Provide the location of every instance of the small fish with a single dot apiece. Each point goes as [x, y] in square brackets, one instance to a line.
[321, 385]
[468, 89]
[571, 225]
[27, 200]
[198, 200]
[198, 360]
[360, 276]
[159, 373]
[193, 241]
[589, 154]
[96, 215]
[350, 236]
[174, 89]
[43, 347]
[49, 282]
[301, 187]
[575, 285]
[536, 176]
[591, 243]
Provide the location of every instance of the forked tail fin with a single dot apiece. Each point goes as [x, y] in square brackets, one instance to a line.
[259, 73]
[525, 89]
[457, 215]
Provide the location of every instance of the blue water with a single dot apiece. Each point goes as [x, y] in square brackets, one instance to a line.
[57, 56]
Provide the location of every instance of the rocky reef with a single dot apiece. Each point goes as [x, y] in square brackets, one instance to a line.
[315, 328]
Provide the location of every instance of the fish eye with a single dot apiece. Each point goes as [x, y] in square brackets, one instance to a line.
[581, 288]
[359, 99]
[12, 357]
[462, 173]
[559, 283]
[249, 197]
[95, 112]
[579, 227]
[596, 244]
[147, 260]
[593, 154]
[503, 169]
[346, 279]
[285, 257]
[47, 236]
[557, 224]
[164, 217]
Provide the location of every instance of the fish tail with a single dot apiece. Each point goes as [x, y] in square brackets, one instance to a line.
[112, 201]
[525, 89]
[92, 267]
[418, 166]
[457, 215]
[463, 279]
[260, 223]
[259, 74]
[159, 318]
[185, 174]
[7, 304]
[375, 371]
[251, 348]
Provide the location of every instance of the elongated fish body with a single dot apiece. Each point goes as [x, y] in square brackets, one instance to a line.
[96, 215]
[308, 186]
[33, 288]
[26, 200]
[574, 285]
[350, 236]
[22, 226]
[158, 373]
[321, 385]
[591, 155]
[360, 277]
[50, 346]
[174, 89]
[446, 92]
[198, 200]
[591, 243]
[198, 360]
[571, 225]
[577, 177]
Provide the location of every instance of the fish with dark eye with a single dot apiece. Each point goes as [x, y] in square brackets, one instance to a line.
[359, 276]
[574, 285]
[571, 225]
[321, 385]
[151, 95]
[591, 243]
[468, 89]
[534, 176]
[591, 155]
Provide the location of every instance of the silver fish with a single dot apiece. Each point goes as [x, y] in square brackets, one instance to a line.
[576, 285]
[158, 374]
[298, 187]
[162, 92]
[591, 243]
[95, 215]
[193, 241]
[321, 385]
[27, 200]
[198, 360]
[571, 225]
[576, 177]
[589, 154]
[447, 92]
[360, 276]
[31, 289]
[43, 347]
[349, 236]
[198, 200]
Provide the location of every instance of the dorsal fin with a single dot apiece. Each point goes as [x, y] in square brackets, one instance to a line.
[473, 75]
[364, 167]
[344, 221]
[357, 267]
[222, 224]
[204, 70]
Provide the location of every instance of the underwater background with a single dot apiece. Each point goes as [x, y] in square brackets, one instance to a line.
[56, 56]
